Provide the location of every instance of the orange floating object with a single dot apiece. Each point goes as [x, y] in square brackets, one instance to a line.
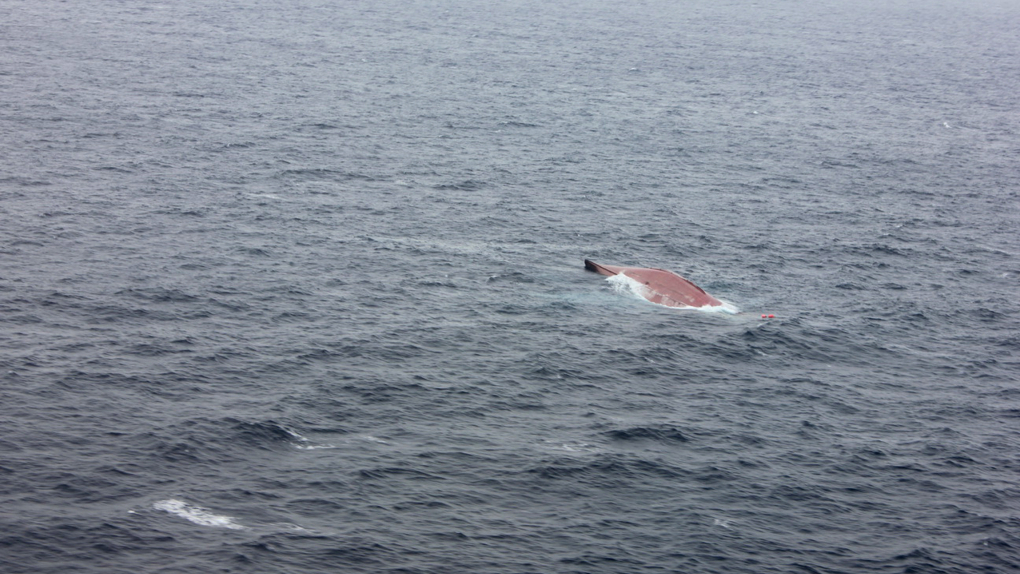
[661, 286]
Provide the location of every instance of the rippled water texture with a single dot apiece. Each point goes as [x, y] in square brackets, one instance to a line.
[297, 287]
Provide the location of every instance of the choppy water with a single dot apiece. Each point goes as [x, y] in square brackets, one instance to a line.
[297, 286]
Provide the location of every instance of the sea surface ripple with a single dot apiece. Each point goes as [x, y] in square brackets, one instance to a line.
[297, 286]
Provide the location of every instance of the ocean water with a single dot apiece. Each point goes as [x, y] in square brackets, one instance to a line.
[297, 286]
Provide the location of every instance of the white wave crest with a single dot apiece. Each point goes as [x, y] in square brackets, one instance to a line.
[196, 514]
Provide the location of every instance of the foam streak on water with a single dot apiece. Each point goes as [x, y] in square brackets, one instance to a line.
[196, 514]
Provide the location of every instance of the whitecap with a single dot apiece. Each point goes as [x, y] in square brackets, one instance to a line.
[315, 446]
[306, 444]
[196, 514]
[569, 446]
[723, 522]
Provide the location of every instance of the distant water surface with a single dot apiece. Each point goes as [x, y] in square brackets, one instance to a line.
[297, 287]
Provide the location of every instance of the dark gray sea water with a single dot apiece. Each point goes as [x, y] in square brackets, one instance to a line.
[297, 287]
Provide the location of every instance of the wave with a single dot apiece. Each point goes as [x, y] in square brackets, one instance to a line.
[197, 514]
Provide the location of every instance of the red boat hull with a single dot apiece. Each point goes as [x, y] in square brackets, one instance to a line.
[661, 286]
